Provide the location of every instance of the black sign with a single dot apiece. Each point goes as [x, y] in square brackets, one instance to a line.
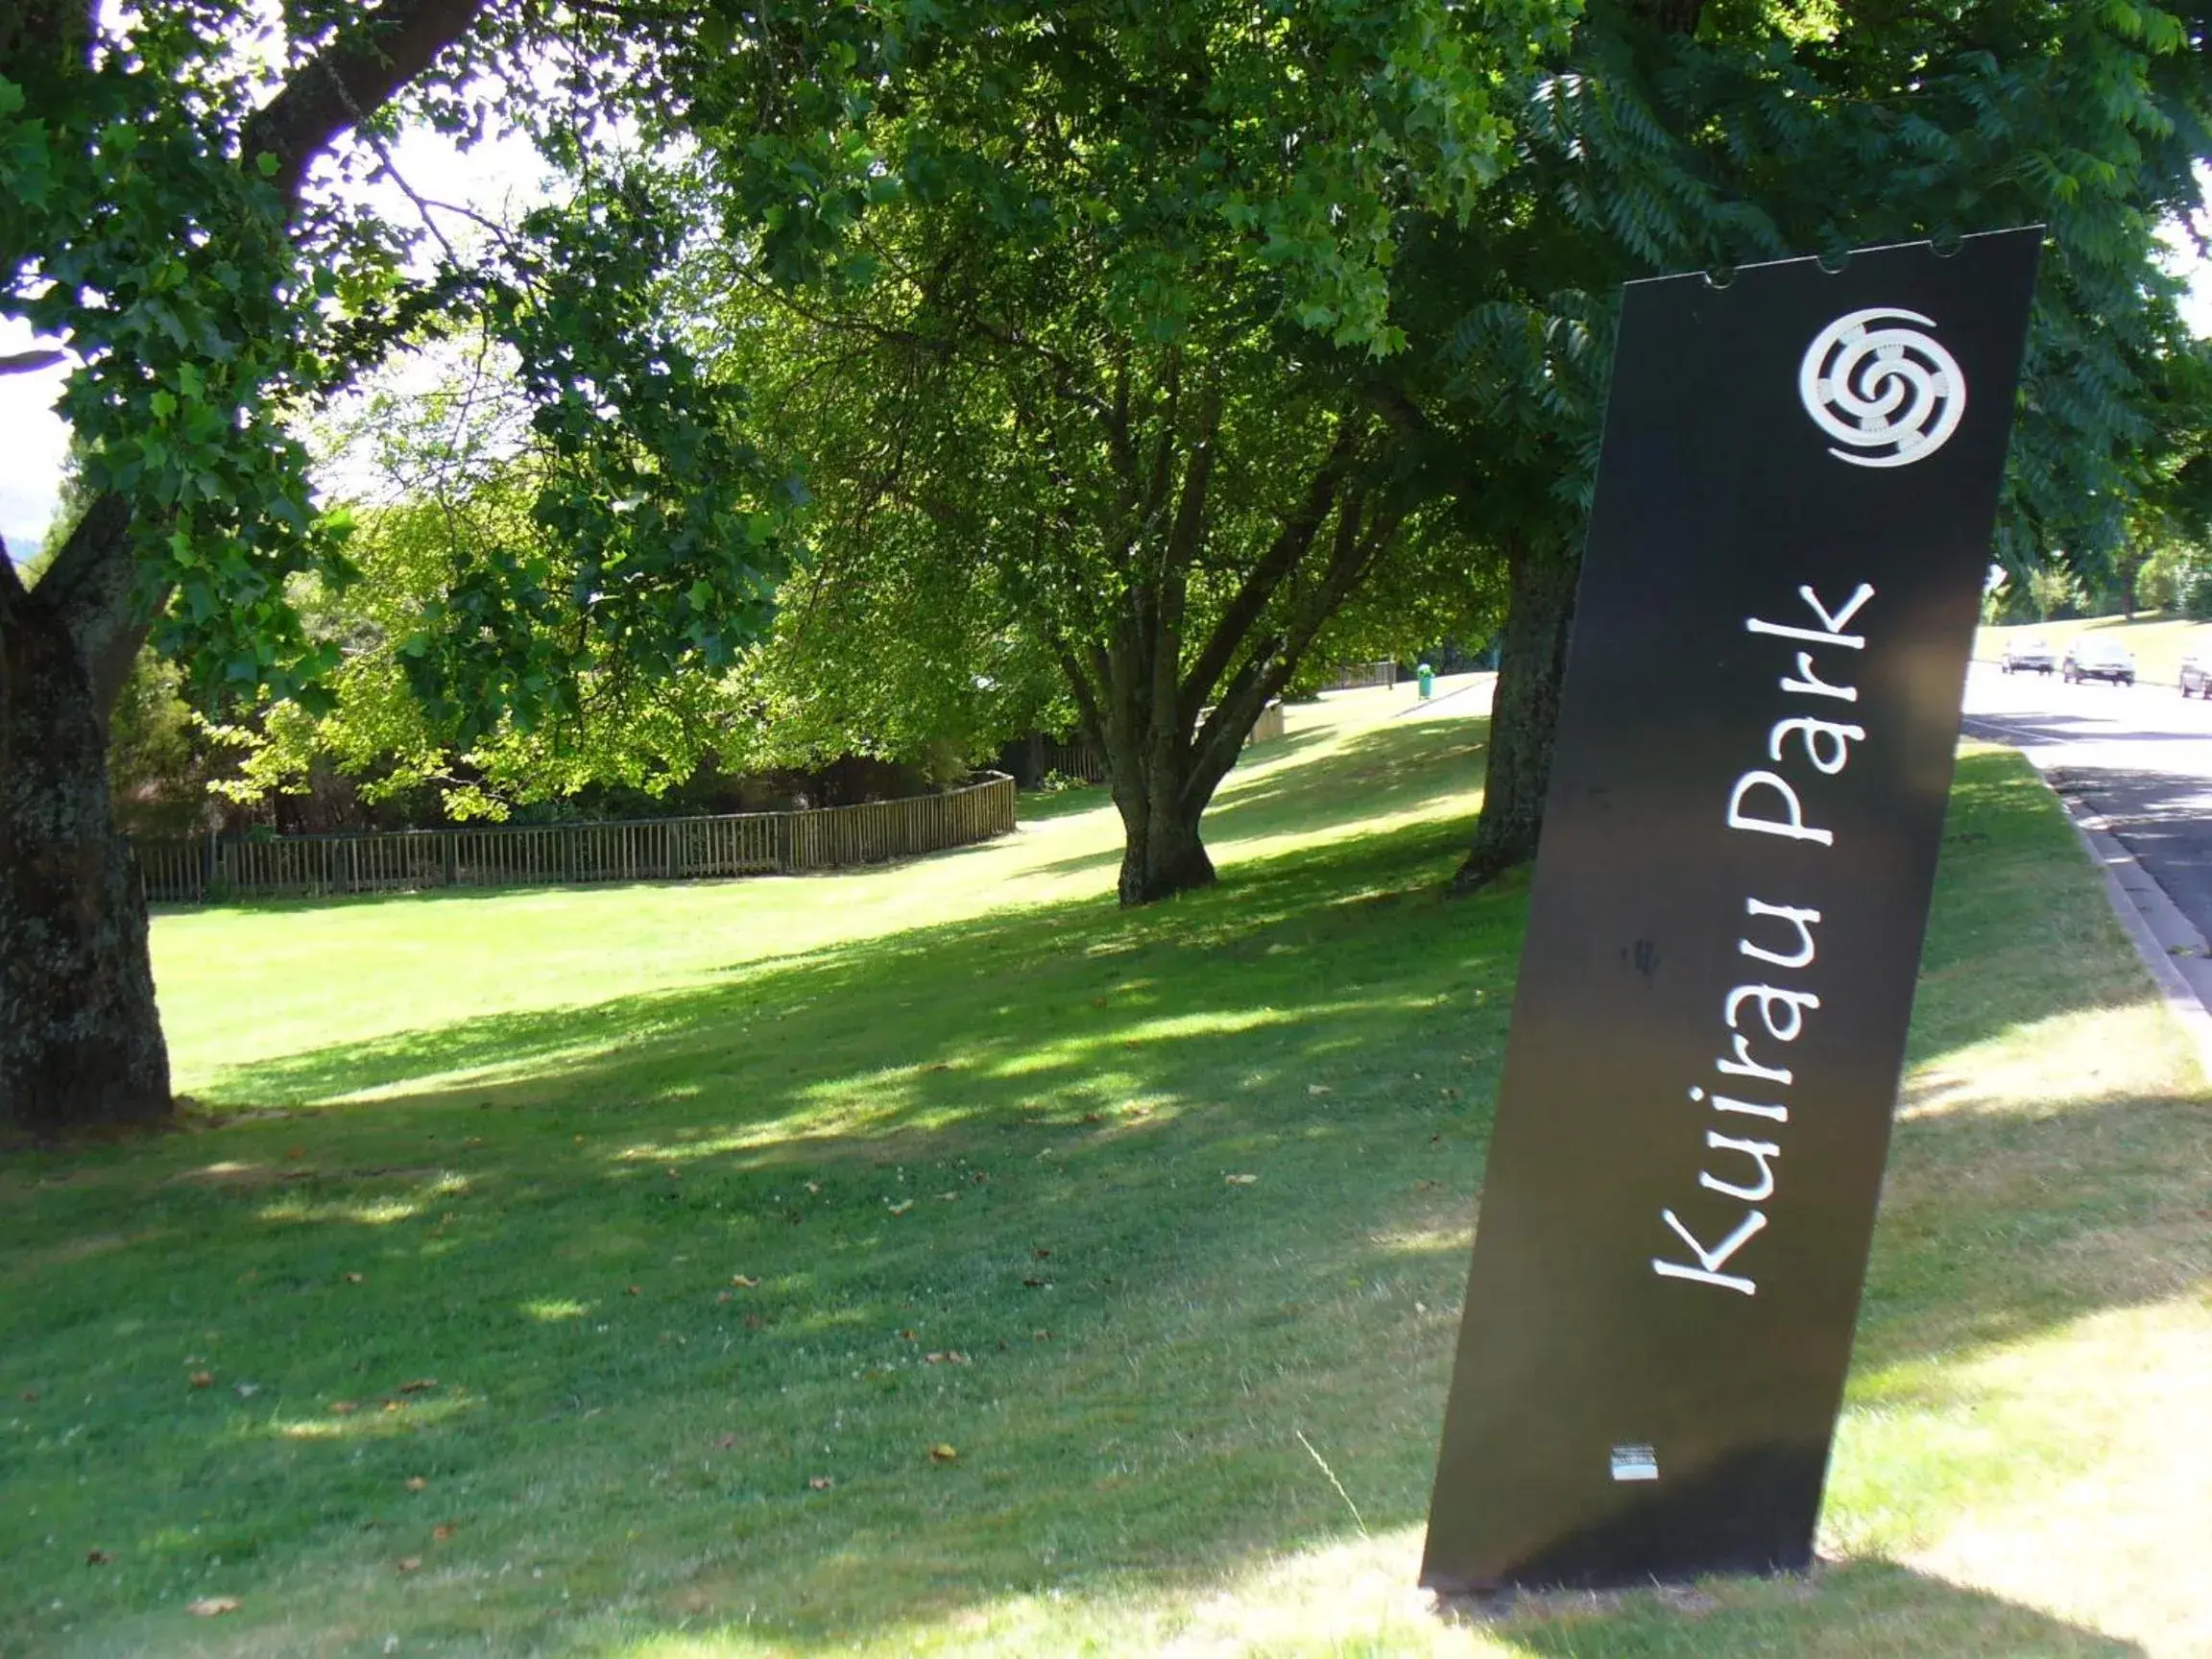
[1786, 556]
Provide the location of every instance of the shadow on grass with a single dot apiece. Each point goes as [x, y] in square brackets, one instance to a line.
[1373, 773]
[666, 1261]
[1870, 1610]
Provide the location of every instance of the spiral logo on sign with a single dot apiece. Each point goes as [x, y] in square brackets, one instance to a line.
[1883, 387]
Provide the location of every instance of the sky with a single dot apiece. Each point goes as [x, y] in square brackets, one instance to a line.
[492, 179]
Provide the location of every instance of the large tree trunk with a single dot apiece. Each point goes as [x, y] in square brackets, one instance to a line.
[1161, 852]
[80, 1039]
[1523, 712]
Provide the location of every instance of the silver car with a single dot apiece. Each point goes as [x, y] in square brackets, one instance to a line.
[2197, 674]
[2090, 658]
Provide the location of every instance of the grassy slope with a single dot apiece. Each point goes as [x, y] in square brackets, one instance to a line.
[572, 1117]
[2158, 640]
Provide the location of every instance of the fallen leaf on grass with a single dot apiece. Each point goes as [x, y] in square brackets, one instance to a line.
[943, 1454]
[1319, 1089]
[903, 1206]
[416, 1484]
[353, 1278]
[474, 1141]
[410, 1563]
[1241, 1180]
[631, 1290]
[726, 1442]
[744, 1281]
[30, 1396]
[212, 1607]
[949, 1197]
[97, 1557]
[1043, 1255]
[245, 1390]
[295, 1152]
[814, 1187]
[343, 1408]
[203, 1378]
[721, 1296]
[420, 1385]
[957, 1358]
[1036, 1283]
[442, 1531]
[819, 1482]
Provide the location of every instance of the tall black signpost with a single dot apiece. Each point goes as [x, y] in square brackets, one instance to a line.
[1793, 520]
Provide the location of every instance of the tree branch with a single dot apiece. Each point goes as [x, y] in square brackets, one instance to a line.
[348, 79]
[1282, 557]
[1360, 541]
[87, 589]
[31, 362]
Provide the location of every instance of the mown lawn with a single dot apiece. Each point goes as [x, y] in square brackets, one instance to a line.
[612, 1271]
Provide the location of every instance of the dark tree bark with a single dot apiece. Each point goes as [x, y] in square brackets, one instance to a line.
[81, 1042]
[79, 1037]
[1162, 853]
[1523, 712]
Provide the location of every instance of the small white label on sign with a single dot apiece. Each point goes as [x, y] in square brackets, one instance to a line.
[1635, 1463]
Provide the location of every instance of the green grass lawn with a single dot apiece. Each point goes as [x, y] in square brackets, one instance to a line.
[936, 1260]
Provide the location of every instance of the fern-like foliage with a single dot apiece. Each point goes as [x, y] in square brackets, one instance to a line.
[1761, 130]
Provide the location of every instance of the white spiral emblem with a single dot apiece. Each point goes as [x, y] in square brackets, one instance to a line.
[1884, 391]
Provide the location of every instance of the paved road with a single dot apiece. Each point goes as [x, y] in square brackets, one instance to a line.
[2140, 756]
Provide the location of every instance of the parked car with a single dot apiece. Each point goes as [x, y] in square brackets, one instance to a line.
[2030, 656]
[2090, 658]
[2197, 674]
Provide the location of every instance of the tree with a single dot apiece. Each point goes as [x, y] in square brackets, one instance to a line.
[156, 216]
[1098, 304]
[1675, 135]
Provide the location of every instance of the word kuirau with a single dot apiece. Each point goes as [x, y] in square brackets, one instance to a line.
[1768, 803]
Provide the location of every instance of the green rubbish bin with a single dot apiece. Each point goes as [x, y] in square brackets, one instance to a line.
[1428, 680]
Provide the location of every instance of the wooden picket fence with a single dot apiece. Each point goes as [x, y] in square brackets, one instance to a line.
[1364, 676]
[649, 849]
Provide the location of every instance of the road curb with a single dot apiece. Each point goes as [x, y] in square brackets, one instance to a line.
[2170, 946]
